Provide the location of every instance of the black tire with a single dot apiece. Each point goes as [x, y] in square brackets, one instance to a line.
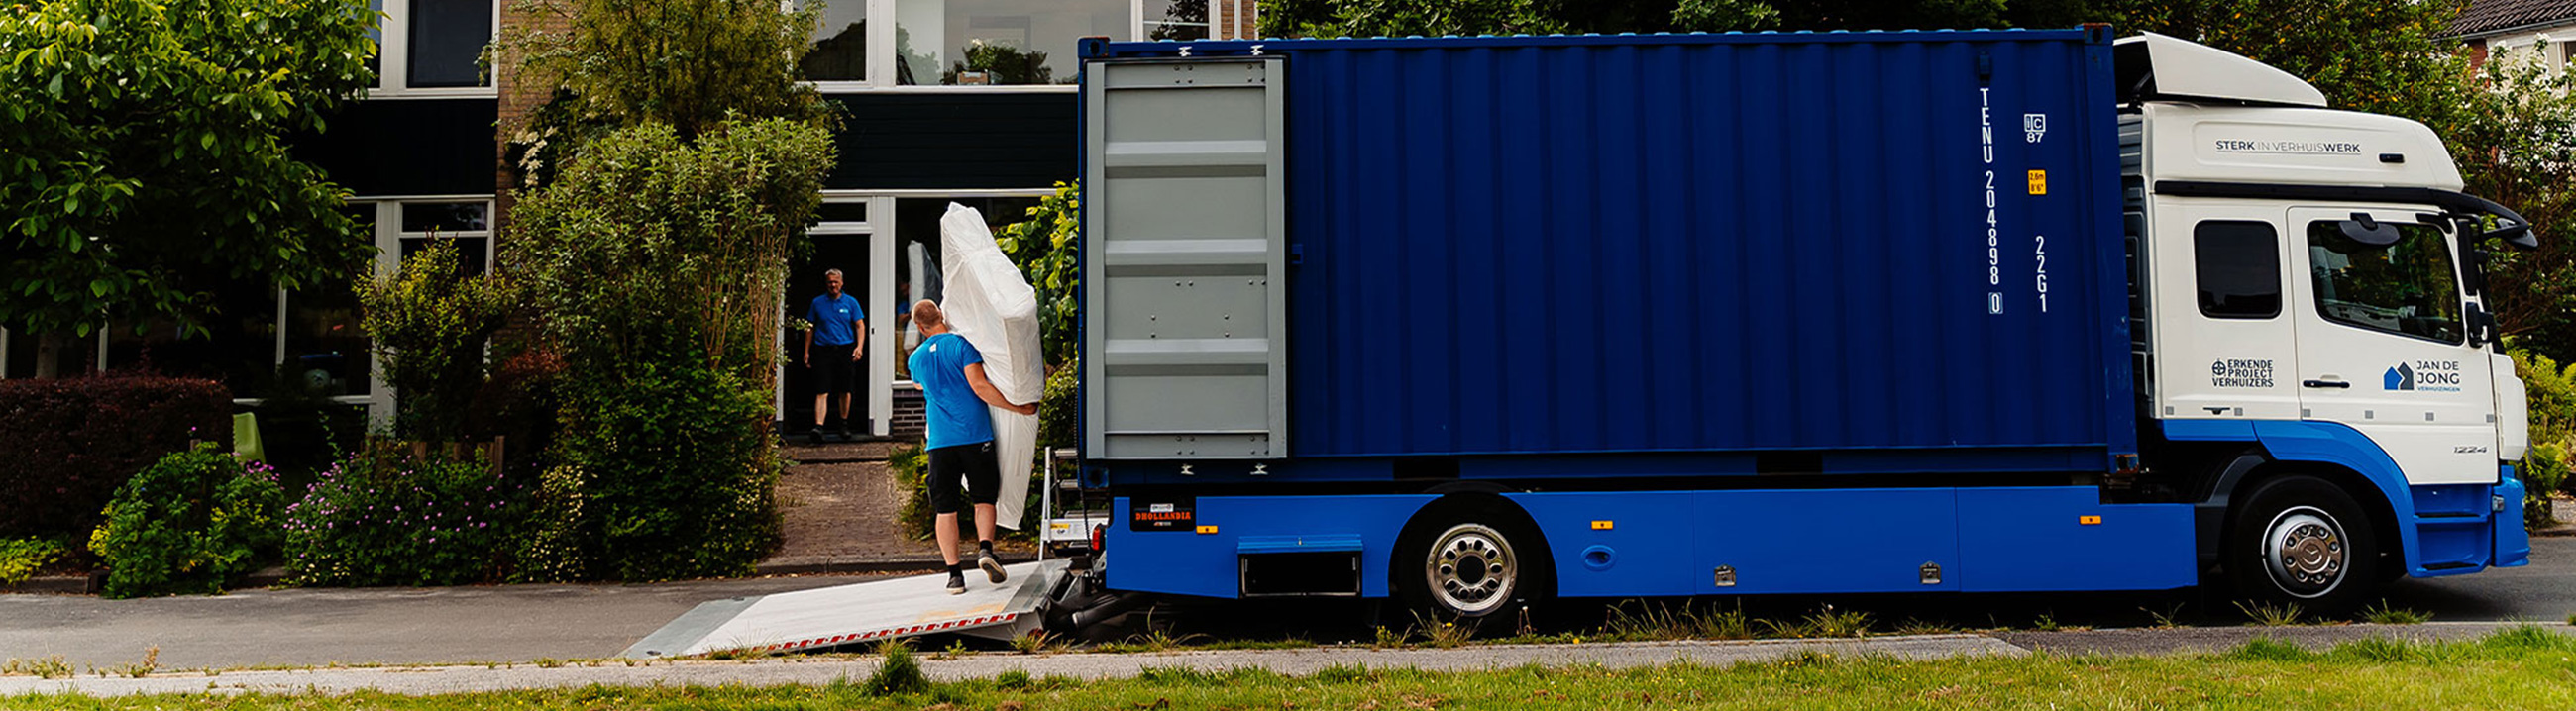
[1469, 558]
[2301, 540]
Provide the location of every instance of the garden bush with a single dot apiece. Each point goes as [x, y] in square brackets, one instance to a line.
[429, 324]
[387, 517]
[20, 559]
[72, 441]
[675, 465]
[655, 264]
[189, 523]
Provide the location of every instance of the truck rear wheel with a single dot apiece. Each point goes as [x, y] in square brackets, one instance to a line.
[1467, 562]
[2301, 540]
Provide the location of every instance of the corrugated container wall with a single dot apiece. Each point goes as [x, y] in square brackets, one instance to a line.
[1702, 243]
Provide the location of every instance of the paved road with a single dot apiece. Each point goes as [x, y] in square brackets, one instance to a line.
[515, 623]
[2542, 591]
[532, 622]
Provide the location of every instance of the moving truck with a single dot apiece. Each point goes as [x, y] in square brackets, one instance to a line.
[1470, 321]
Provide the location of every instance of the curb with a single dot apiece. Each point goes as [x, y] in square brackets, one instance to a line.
[273, 577]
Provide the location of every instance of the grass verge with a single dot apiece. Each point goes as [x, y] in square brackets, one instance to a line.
[2523, 667]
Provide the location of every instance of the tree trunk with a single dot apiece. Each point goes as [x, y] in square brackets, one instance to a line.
[49, 354]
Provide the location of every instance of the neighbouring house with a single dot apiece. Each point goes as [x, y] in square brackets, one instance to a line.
[2492, 26]
[966, 101]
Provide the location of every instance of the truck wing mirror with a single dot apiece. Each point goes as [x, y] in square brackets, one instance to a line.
[2361, 228]
[2517, 236]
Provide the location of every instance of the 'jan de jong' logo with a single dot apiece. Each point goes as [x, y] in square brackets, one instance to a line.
[2398, 378]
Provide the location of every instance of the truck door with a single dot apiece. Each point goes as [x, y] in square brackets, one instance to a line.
[2223, 339]
[2382, 341]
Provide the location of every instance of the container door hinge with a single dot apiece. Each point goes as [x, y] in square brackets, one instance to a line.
[1726, 576]
[1931, 573]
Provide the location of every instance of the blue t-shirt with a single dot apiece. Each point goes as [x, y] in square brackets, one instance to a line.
[953, 414]
[832, 319]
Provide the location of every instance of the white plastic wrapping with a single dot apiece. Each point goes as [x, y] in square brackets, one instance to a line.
[992, 306]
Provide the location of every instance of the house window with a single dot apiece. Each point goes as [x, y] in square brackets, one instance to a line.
[432, 47]
[1175, 20]
[840, 51]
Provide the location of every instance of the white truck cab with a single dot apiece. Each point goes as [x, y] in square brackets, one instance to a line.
[2308, 297]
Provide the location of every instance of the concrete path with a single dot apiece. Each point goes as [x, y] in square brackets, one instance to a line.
[455, 679]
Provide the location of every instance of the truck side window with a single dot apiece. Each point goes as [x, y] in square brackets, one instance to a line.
[2238, 264]
[2406, 287]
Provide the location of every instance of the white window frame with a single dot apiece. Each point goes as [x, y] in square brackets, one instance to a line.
[393, 60]
[389, 236]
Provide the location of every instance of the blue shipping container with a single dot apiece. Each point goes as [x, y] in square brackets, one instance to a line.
[1893, 252]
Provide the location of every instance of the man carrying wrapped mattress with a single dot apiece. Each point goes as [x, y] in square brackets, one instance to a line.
[954, 392]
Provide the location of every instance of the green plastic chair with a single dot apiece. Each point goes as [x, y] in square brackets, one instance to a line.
[246, 438]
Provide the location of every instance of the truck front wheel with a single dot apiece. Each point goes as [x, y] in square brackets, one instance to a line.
[2301, 540]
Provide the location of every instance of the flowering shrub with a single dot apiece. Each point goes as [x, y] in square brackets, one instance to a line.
[187, 524]
[388, 518]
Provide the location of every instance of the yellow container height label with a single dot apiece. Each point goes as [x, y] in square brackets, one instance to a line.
[1600, 525]
[2039, 182]
[2089, 520]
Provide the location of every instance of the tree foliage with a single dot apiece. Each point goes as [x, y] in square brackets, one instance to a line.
[1046, 247]
[688, 63]
[656, 265]
[143, 158]
[429, 323]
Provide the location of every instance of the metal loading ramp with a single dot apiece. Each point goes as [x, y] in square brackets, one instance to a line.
[859, 613]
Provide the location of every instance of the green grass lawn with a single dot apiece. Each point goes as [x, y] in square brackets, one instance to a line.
[2520, 668]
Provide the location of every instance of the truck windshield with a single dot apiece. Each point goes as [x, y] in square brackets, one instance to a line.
[2407, 287]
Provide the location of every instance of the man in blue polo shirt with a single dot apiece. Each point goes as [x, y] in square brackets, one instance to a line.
[954, 391]
[838, 322]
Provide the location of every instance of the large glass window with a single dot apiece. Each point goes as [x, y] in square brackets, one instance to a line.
[447, 38]
[2238, 267]
[2404, 287]
[996, 42]
[916, 258]
[1175, 19]
[239, 347]
[840, 50]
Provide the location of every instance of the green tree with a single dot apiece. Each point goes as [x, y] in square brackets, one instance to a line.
[691, 160]
[143, 160]
[429, 323]
[688, 63]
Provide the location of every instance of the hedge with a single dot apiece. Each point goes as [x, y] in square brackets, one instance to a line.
[70, 442]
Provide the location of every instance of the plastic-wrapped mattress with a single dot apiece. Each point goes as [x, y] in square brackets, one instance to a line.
[992, 306]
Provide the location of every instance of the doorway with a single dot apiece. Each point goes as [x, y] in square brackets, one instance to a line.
[842, 244]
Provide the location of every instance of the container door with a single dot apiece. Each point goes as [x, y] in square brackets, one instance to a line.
[2382, 341]
[2224, 340]
[1184, 227]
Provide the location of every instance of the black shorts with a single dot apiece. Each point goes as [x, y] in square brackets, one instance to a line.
[972, 463]
[834, 372]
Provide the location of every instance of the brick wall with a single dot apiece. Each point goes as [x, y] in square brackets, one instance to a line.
[518, 97]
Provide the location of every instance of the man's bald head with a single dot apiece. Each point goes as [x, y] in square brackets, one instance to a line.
[926, 313]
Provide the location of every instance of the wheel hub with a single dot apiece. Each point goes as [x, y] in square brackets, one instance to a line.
[2305, 552]
[1472, 569]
